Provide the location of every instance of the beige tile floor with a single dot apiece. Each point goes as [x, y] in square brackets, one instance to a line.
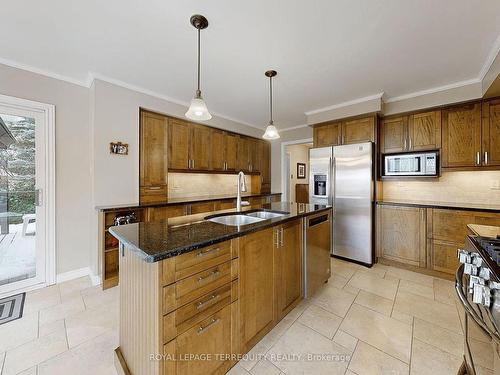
[381, 320]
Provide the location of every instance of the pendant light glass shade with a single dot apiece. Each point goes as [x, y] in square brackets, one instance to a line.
[271, 131]
[198, 110]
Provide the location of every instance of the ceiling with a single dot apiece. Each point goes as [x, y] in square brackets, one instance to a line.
[325, 51]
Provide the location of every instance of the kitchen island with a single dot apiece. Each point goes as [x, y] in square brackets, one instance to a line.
[197, 294]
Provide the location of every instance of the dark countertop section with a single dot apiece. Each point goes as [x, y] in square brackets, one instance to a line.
[202, 198]
[447, 205]
[154, 241]
[484, 230]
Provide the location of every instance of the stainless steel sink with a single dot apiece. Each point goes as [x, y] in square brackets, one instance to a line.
[266, 215]
[235, 220]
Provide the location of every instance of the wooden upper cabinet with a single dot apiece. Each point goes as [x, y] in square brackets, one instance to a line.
[358, 130]
[491, 133]
[243, 154]
[424, 131]
[327, 134]
[231, 151]
[201, 147]
[154, 149]
[393, 134]
[265, 167]
[256, 279]
[218, 155]
[461, 138]
[255, 149]
[288, 258]
[178, 144]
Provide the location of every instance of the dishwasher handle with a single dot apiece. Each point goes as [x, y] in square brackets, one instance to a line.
[317, 220]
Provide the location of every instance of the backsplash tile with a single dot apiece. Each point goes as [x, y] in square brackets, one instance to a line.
[182, 185]
[453, 187]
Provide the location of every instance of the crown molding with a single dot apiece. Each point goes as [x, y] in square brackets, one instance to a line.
[293, 128]
[42, 72]
[495, 50]
[345, 104]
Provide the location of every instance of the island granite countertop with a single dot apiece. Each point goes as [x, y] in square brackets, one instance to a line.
[157, 240]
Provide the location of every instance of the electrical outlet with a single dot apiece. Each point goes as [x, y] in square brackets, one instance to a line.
[495, 185]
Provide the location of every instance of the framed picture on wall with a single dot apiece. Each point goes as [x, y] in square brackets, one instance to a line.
[301, 170]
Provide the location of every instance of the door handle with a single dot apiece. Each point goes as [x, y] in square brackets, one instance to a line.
[38, 197]
[281, 237]
[404, 147]
[486, 158]
[409, 143]
[478, 158]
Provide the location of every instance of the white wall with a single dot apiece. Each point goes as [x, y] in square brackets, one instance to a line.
[73, 183]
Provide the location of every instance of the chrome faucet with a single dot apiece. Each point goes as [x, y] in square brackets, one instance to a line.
[242, 186]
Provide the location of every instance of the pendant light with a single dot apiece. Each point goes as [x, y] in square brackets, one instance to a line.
[198, 110]
[271, 131]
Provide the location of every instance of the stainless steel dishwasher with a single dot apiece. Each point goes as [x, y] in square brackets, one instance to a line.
[317, 246]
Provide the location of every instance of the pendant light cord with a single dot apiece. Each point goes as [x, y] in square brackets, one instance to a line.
[271, 99]
[198, 92]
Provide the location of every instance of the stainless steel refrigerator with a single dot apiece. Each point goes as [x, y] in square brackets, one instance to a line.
[342, 176]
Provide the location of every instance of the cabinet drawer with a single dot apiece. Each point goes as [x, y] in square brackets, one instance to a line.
[204, 282]
[199, 260]
[206, 342]
[153, 194]
[451, 225]
[194, 312]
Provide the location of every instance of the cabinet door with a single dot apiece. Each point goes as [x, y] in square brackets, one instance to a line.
[231, 147]
[153, 149]
[255, 150]
[358, 130]
[265, 167]
[451, 225]
[256, 287]
[393, 134]
[288, 257]
[444, 257]
[201, 147]
[462, 136]
[198, 208]
[243, 154]
[491, 133]
[178, 140]
[327, 134]
[402, 234]
[424, 131]
[218, 150]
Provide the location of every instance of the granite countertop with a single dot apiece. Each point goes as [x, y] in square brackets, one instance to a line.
[201, 198]
[439, 204]
[484, 230]
[154, 241]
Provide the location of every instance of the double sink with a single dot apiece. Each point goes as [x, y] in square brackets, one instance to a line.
[245, 218]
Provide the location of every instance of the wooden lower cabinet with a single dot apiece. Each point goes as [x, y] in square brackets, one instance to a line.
[197, 311]
[426, 237]
[257, 314]
[166, 212]
[288, 257]
[401, 235]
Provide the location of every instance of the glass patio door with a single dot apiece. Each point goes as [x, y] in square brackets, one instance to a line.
[23, 155]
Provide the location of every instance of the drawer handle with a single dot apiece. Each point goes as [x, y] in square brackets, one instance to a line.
[211, 274]
[154, 188]
[207, 251]
[203, 329]
[210, 299]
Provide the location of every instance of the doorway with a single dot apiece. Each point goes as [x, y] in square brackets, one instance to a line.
[27, 225]
[295, 170]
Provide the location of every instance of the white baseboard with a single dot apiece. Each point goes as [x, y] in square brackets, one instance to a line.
[75, 274]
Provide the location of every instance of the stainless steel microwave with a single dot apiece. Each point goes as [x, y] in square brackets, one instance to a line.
[414, 164]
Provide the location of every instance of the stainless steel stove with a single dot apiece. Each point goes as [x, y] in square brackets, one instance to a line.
[478, 289]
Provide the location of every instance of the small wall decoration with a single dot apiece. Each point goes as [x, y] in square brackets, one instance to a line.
[301, 170]
[118, 148]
